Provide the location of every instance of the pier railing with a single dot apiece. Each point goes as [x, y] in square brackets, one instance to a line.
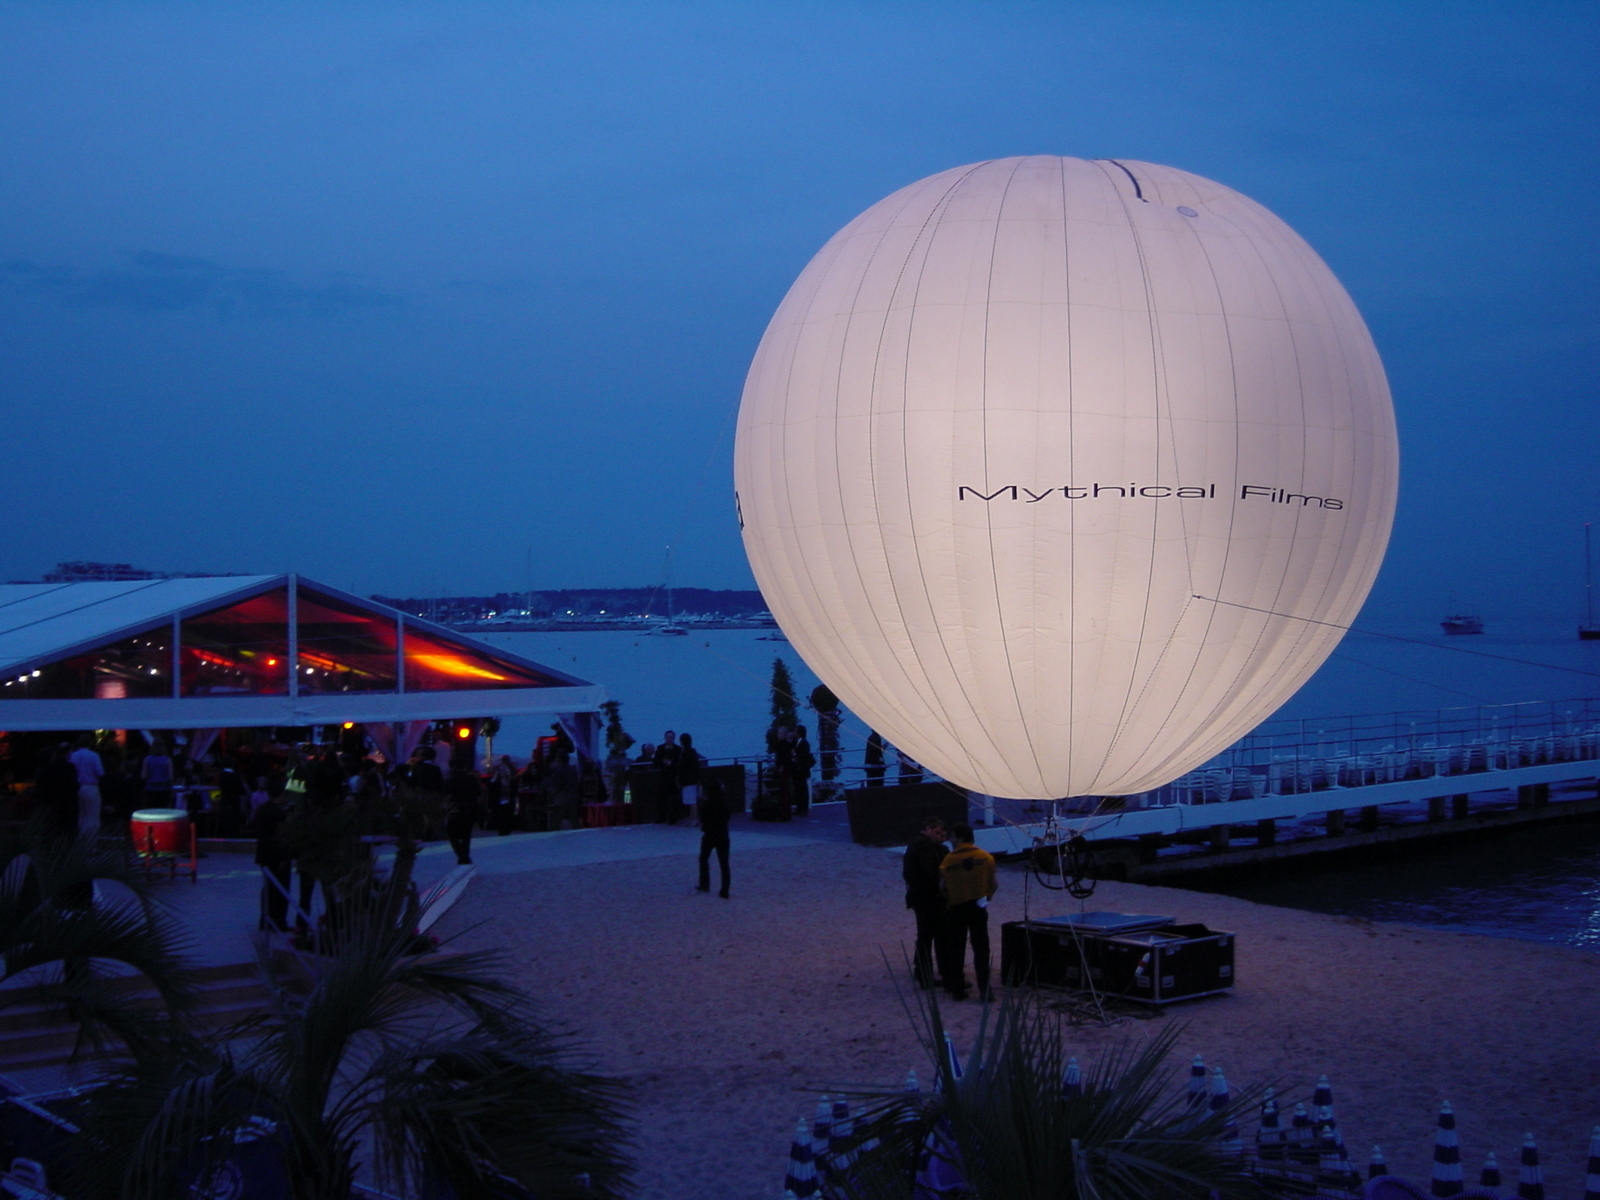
[1300, 757]
[1293, 757]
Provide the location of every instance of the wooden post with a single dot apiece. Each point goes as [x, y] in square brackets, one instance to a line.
[1369, 818]
[1541, 794]
[1336, 822]
[1149, 844]
[1525, 795]
[1266, 832]
[1458, 807]
[1435, 808]
[1221, 836]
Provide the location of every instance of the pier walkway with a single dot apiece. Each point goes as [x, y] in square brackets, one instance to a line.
[1434, 761]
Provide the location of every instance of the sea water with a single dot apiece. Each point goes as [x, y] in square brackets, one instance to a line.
[1538, 883]
[717, 682]
[713, 683]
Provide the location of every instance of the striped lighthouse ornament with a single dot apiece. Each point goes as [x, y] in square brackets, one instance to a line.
[1376, 1165]
[821, 1130]
[1447, 1179]
[1228, 1141]
[1269, 1135]
[1197, 1083]
[839, 1133]
[1302, 1137]
[1071, 1080]
[801, 1178]
[1489, 1177]
[950, 1060]
[1530, 1179]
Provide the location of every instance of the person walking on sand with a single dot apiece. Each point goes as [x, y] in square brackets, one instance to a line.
[463, 787]
[712, 812]
[925, 854]
[967, 877]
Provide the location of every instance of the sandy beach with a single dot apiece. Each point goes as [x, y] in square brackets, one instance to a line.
[725, 1015]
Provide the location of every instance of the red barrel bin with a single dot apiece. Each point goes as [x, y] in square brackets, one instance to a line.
[160, 831]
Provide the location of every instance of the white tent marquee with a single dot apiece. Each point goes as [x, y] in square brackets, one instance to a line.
[248, 651]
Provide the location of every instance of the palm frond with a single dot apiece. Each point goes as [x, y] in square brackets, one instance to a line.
[474, 1109]
[432, 1062]
[1005, 1127]
[53, 929]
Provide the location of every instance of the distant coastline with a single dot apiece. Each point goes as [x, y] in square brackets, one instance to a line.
[608, 624]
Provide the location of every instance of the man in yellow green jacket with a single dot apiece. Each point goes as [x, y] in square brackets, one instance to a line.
[968, 880]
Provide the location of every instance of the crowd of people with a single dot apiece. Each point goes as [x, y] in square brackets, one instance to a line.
[269, 790]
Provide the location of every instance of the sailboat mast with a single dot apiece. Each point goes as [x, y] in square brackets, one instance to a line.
[1588, 580]
[1587, 632]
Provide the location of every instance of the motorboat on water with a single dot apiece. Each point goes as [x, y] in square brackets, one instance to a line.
[1462, 622]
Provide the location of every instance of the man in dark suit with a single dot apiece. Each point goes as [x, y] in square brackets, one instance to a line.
[920, 870]
[273, 858]
[670, 791]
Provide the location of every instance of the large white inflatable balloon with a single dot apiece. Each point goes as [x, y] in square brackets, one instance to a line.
[1064, 474]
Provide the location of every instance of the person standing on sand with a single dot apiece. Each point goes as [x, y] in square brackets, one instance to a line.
[89, 767]
[665, 760]
[873, 759]
[800, 771]
[925, 854]
[712, 812]
[781, 742]
[910, 769]
[55, 792]
[689, 764]
[267, 822]
[155, 774]
[967, 877]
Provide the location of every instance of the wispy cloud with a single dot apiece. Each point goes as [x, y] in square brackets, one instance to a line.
[170, 283]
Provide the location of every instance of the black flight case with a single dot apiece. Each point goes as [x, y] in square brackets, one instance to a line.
[1152, 959]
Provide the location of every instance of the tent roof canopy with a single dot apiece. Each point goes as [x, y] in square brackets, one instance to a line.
[249, 650]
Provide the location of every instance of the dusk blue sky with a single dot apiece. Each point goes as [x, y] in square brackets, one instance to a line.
[459, 297]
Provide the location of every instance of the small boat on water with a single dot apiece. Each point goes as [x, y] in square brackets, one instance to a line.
[669, 630]
[1462, 622]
